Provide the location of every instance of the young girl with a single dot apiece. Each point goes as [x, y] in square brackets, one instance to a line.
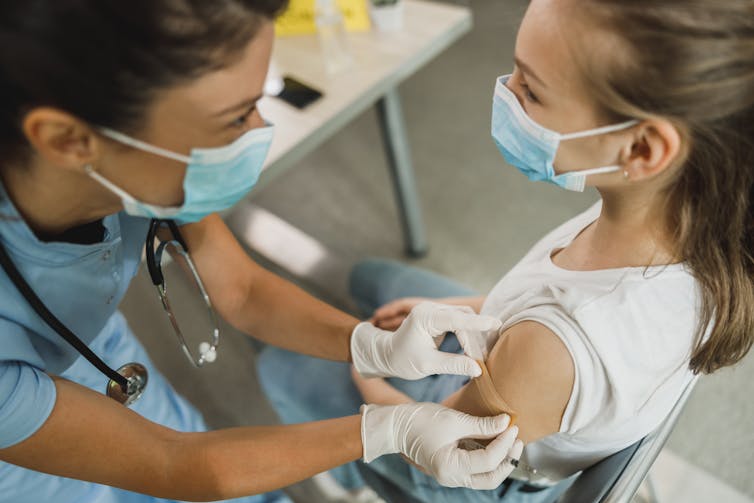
[609, 317]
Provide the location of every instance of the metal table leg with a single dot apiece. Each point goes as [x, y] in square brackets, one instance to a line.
[402, 172]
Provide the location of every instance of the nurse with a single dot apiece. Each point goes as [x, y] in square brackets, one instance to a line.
[117, 113]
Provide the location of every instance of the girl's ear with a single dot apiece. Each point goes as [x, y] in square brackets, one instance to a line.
[60, 138]
[656, 145]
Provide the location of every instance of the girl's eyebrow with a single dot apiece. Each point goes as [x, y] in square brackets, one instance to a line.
[527, 70]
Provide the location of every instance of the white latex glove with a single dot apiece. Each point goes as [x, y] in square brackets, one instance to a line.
[428, 434]
[411, 351]
[477, 344]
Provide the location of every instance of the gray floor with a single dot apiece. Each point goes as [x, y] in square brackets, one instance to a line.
[481, 216]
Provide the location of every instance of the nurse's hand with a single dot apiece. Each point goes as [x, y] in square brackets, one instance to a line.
[411, 352]
[428, 434]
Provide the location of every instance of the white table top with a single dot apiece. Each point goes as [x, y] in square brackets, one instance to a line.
[381, 62]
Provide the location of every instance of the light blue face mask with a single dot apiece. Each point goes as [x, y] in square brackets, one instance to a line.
[532, 148]
[216, 178]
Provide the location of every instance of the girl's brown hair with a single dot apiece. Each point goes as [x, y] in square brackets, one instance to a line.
[692, 62]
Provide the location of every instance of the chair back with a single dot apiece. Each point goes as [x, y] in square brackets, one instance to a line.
[617, 478]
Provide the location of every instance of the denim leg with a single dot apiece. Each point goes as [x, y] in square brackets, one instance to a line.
[374, 282]
[426, 489]
[302, 388]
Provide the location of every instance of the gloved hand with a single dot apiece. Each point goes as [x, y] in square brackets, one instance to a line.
[428, 434]
[411, 351]
[477, 344]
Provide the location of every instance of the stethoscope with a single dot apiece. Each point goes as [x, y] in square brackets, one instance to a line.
[127, 384]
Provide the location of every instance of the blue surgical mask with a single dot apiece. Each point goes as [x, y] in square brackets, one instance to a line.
[215, 180]
[532, 148]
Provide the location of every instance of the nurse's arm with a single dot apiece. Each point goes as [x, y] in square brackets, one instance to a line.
[260, 303]
[90, 437]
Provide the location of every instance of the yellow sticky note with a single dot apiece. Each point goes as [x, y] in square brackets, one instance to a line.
[301, 17]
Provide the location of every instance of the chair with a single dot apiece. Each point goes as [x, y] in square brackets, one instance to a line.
[617, 478]
[613, 480]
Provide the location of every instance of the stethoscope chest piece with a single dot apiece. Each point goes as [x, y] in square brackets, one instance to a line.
[137, 377]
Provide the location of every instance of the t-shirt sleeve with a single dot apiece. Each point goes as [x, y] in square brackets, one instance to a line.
[588, 385]
[27, 396]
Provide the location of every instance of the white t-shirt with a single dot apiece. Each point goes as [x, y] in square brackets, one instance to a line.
[630, 332]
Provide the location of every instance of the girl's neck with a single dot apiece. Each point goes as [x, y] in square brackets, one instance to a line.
[628, 233]
[52, 200]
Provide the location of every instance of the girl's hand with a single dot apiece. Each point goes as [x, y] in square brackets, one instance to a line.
[391, 315]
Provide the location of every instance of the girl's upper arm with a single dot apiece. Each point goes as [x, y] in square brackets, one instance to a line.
[532, 372]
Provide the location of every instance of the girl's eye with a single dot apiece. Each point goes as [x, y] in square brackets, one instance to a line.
[529, 95]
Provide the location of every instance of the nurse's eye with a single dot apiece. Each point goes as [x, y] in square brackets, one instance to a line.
[240, 122]
[529, 95]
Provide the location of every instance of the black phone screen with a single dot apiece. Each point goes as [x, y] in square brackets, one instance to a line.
[297, 93]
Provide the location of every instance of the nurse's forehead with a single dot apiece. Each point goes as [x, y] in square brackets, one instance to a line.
[544, 45]
[239, 82]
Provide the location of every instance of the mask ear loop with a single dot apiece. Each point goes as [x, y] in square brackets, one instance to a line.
[144, 146]
[596, 132]
[600, 130]
[576, 180]
[109, 185]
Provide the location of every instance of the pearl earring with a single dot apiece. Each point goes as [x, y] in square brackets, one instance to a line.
[625, 174]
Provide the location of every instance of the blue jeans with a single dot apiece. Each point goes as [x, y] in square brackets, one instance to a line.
[302, 388]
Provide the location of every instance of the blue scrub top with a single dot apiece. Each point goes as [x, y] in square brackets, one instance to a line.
[81, 284]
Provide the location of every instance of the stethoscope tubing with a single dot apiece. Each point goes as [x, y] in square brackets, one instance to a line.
[61, 329]
[54, 323]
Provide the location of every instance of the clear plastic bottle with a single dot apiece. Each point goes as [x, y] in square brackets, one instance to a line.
[332, 37]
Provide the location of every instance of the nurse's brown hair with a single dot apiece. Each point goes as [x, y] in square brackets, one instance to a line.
[105, 60]
[691, 62]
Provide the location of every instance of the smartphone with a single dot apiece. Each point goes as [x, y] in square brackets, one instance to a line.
[297, 93]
